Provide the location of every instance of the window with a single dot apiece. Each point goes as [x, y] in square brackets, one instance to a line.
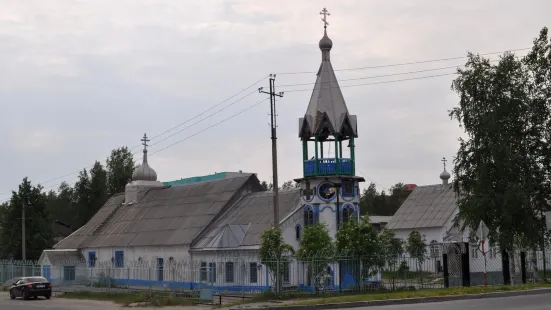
[253, 272]
[212, 268]
[69, 273]
[286, 272]
[347, 214]
[493, 253]
[347, 188]
[119, 259]
[229, 272]
[297, 232]
[91, 259]
[308, 216]
[474, 253]
[434, 249]
[203, 272]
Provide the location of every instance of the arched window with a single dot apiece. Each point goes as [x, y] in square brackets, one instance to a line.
[308, 216]
[434, 249]
[347, 214]
[298, 230]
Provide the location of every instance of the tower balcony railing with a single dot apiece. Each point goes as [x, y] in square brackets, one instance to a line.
[328, 166]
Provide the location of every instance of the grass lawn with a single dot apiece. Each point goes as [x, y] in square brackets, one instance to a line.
[154, 299]
[420, 293]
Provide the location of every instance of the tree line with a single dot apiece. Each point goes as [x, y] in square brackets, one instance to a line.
[72, 205]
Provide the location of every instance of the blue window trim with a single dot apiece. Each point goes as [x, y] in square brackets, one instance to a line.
[349, 206]
[348, 196]
[119, 263]
[92, 262]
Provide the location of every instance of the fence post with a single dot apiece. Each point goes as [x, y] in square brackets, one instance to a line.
[465, 265]
[277, 277]
[523, 266]
[446, 270]
[505, 267]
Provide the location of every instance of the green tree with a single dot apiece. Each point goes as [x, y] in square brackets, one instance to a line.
[416, 247]
[82, 198]
[61, 206]
[367, 199]
[98, 190]
[38, 228]
[264, 185]
[274, 253]
[391, 247]
[120, 166]
[360, 240]
[317, 250]
[502, 167]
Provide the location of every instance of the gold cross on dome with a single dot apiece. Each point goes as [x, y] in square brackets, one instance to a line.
[325, 13]
[444, 160]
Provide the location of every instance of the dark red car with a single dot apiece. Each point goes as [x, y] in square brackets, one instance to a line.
[28, 287]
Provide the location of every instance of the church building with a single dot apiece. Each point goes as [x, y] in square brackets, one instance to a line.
[207, 230]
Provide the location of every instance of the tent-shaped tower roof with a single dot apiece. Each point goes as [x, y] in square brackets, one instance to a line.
[327, 113]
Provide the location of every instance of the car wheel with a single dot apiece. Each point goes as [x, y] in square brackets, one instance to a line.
[25, 295]
[35, 297]
[47, 296]
[12, 295]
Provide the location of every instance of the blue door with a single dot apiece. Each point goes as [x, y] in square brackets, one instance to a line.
[160, 269]
[46, 272]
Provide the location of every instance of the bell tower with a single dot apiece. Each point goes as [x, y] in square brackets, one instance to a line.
[330, 191]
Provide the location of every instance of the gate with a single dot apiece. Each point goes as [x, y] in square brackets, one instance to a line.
[456, 264]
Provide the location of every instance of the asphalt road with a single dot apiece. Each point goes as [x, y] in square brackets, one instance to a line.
[68, 304]
[535, 302]
[53, 304]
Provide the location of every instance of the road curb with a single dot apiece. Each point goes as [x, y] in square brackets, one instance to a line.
[405, 301]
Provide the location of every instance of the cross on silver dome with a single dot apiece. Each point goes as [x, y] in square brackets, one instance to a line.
[144, 172]
[445, 175]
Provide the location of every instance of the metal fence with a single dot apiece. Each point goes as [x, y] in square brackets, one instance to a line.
[247, 276]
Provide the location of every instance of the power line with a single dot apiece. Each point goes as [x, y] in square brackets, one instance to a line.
[164, 132]
[215, 124]
[408, 63]
[193, 135]
[231, 104]
[382, 82]
[371, 180]
[383, 75]
[214, 106]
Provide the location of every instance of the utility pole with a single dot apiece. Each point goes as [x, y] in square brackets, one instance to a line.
[273, 125]
[23, 243]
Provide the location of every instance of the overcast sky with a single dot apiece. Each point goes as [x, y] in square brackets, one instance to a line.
[79, 78]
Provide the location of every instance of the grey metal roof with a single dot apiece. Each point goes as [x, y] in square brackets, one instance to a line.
[426, 206]
[327, 107]
[164, 216]
[247, 219]
[63, 257]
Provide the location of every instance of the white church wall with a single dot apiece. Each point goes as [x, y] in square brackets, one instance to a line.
[234, 269]
[138, 263]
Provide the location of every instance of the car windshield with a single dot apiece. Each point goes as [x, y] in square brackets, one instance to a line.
[35, 279]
